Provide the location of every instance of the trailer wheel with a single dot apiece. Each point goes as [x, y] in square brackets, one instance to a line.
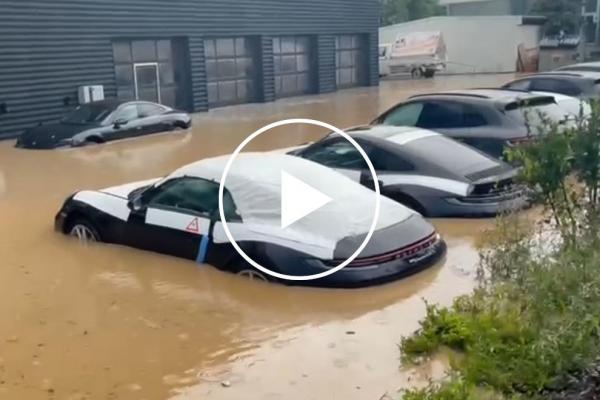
[430, 73]
[416, 73]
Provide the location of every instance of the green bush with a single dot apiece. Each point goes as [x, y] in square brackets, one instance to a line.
[534, 321]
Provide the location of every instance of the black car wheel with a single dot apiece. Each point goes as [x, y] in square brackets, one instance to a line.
[253, 275]
[92, 140]
[84, 231]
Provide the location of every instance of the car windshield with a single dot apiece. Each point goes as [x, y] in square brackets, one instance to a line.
[450, 155]
[87, 114]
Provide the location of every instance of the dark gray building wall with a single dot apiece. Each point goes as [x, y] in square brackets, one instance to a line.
[50, 48]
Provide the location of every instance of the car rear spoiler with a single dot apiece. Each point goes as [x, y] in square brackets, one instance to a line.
[530, 101]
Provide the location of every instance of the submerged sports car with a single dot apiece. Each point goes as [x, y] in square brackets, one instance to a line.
[179, 215]
[103, 121]
[428, 172]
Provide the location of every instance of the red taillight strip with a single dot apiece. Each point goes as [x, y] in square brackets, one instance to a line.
[401, 253]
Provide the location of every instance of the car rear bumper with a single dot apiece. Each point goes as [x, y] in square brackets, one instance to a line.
[478, 208]
[352, 277]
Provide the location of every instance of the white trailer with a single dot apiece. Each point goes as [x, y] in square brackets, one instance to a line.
[421, 54]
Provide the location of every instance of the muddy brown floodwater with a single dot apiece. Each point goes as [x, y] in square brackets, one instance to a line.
[106, 322]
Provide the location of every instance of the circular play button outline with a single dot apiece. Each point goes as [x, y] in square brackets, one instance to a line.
[305, 121]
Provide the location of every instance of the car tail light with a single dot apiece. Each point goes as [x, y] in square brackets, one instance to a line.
[406, 253]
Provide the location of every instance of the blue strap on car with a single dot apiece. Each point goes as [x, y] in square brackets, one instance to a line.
[203, 250]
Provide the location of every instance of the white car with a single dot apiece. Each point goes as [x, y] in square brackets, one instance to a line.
[572, 105]
[179, 215]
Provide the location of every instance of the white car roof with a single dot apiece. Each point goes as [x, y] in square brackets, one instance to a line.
[254, 182]
[398, 134]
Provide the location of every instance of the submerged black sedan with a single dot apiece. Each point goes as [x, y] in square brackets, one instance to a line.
[103, 121]
[426, 171]
[179, 215]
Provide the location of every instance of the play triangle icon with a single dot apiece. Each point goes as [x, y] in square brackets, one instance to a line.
[298, 199]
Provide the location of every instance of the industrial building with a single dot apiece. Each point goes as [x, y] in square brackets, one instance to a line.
[189, 54]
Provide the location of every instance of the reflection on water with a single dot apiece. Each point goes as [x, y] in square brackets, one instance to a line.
[107, 322]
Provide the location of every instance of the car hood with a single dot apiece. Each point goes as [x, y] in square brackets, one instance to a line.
[499, 173]
[49, 136]
[123, 191]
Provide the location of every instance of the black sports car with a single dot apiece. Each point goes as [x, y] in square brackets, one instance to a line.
[178, 215]
[102, 121]
[487, 119]
[426, 171]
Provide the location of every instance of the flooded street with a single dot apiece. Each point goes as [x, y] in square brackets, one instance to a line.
[108, 322]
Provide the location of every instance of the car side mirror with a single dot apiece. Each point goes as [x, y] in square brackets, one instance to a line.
[119, 123]
[135, 204]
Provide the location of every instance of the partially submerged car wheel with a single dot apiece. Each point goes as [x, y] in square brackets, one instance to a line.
[253, 275]
[84, 232]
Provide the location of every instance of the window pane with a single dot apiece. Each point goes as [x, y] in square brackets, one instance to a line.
[302, 62]
[125, 93]
[144, 50]
[346, 42]
[346, 59]
[148, 110]
[124, 75]
[441, 115]
[288, 45]
[148, 94]
[288, 83]
[168, 96]
[277, 65]
[209, 48]
[225, 48]
[346, 76]
[240, 47]
[288, 64]
[164, 50]
[211, 70]
[303, 83]
[213, 92]
[407, 115]
[121, 52]
[226, 68]
[340, 154]
[146, 75]
[242, 90]
[302, 45]
[276, 45]
[244, 67]
[227, 91]
[167, 76]
[127, 113]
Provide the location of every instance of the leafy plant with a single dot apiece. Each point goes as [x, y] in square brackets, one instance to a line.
[534, 321]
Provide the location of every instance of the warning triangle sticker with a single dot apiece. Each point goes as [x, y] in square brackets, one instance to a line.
[194, 226]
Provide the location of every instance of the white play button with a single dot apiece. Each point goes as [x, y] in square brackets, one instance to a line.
[298, 199]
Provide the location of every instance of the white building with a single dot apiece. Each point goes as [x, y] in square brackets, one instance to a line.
[476, 44]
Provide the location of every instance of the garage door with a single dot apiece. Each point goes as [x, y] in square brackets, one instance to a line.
[349, 60]
[293, 65]
[152, 70]
[231, 70]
